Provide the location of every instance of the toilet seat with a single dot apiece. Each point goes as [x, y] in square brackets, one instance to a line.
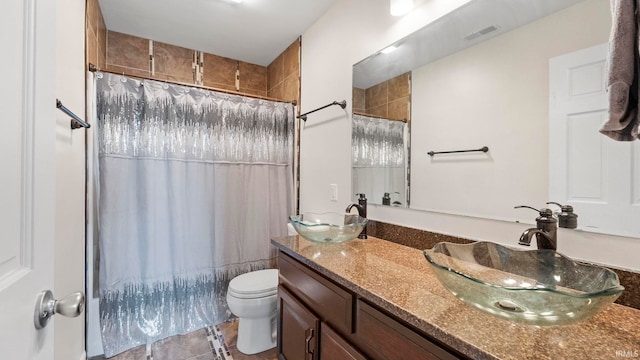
[255, 284]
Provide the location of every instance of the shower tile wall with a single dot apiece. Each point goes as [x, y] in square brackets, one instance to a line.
[359, 102]
[253, 79]
[284, 74]
[118, 52]
[389, 99]
[96, 35]
[133, 54]
[222, 75]
[172, 63]
[130, 54]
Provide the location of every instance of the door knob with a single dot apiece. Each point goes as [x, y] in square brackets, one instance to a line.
[46, 306]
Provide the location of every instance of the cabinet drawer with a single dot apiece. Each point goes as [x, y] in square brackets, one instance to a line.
[386, 338]
[333, 304]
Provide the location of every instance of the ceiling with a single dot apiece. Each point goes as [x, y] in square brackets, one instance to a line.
[255, 31]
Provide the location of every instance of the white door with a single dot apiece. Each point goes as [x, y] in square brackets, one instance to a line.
[27, 173]
[598, 176]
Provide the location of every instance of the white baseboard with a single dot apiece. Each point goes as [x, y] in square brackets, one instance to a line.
[83, 356]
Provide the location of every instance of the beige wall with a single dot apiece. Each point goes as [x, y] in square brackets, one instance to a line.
[70, 175]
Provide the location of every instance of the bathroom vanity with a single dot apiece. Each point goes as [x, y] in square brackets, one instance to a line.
[376, 299]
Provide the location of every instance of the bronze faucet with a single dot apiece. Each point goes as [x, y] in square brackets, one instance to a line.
[546, 230]
[362, 211]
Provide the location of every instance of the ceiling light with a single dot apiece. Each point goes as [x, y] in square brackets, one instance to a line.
[400, 7]
[388, 50]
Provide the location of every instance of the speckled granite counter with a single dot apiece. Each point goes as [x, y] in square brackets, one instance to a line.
[399, 280]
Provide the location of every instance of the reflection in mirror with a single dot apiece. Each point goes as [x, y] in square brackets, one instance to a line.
[380, 140]
[481, 76]
[379, 159]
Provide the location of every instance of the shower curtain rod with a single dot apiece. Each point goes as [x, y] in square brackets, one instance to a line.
[378, 117]
[94, 68]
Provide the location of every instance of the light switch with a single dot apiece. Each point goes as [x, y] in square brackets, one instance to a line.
[333, 192]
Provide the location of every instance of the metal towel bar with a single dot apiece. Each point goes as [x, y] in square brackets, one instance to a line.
[76, 122]
[342, 104]
[483, 149]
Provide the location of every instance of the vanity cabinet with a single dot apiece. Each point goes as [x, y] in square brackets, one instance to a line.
[319, 319]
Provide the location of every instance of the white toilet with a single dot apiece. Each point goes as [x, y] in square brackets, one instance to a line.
[252, 297]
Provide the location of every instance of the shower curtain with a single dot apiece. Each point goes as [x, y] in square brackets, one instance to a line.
[379, 158]
[192, 186]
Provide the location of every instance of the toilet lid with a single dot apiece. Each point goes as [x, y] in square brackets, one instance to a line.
[256, 283]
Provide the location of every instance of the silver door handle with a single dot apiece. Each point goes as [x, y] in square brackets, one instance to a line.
[46, 306]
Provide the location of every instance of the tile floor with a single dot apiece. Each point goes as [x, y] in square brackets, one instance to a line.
[197, 345]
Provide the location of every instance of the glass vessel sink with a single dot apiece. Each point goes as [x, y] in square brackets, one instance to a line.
[328, 227]
[540, 287]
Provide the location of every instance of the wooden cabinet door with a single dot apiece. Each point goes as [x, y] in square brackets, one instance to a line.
[384, 338]
[334, 347]
[298, 329]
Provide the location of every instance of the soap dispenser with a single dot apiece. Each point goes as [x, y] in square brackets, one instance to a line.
[386, 199]
[566, 217]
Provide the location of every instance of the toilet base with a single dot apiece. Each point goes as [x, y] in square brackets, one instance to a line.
[256, 335]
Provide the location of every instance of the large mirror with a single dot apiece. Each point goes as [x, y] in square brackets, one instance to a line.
[524, 78]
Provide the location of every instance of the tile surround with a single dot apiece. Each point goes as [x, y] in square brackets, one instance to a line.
[123, 53]
[172, 62]
[291, 59]
[219, 72]
[276, 72]
[376, 95]
[390, 99]
[422, 239]
[253, 78]
[95, 35]
[398, 109]
[127, 51]
[358, 100]
[284, 73]
[130, 55]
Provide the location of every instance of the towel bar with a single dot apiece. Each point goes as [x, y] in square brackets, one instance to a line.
[483, 149]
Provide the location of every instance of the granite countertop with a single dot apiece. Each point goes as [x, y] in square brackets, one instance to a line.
[399, 280]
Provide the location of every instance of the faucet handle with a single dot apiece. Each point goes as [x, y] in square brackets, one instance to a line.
[544, 212]
[566, 217]
[563, 208]
[526, 207]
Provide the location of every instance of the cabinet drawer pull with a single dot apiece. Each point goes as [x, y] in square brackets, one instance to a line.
[308, 342]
